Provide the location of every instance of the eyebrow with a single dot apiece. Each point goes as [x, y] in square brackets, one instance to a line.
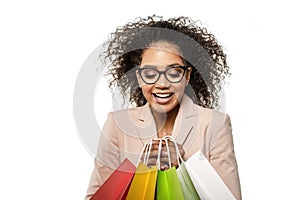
[155, 66]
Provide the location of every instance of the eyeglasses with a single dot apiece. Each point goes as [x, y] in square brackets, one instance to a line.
[173, 74]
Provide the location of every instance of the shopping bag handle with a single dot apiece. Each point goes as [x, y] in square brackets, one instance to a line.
[147, 150]
[168, 151]
[159, 153]
[179, 158]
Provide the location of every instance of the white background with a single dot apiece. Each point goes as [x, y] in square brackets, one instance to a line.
[44, 43]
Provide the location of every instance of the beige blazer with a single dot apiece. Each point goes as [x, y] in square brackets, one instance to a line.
[196, 128]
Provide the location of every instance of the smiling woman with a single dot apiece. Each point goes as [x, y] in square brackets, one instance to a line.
[163, 95]
[160, 92]
[172, 71]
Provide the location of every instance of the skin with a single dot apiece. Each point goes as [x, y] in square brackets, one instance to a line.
[164, 110]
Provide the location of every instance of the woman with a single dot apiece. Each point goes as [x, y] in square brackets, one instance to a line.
[172, 72]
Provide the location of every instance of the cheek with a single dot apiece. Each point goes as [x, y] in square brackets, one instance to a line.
[180, 90]
[146, 89]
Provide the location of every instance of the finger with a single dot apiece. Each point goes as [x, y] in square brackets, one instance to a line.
[174, 155]
[151, 162]
[154, 146]
[181, 150]
[155, 141]
[164, 159]
[164, 153]
[153, 154]
[168, 154]
[164, 166]
[172, 147]
[175, 164]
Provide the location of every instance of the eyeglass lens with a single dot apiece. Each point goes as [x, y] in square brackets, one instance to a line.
[173, 75]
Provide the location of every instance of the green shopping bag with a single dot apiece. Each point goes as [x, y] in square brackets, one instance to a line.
[188, 189]
[167, 185]
[187, 186]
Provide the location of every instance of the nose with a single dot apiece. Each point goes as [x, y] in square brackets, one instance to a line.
[162, 81]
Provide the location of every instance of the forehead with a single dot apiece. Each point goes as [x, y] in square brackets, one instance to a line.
[161, 56]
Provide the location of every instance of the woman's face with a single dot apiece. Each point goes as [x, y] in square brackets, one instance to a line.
[163, 95]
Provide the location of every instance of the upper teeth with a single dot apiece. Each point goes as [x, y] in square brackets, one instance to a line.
[162, 95]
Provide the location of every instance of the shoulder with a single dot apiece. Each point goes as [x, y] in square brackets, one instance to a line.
[133, 112]
[215, 127]
[189, 108]
[212, 116]
[214, 124]
[131, 117]
[129, 110]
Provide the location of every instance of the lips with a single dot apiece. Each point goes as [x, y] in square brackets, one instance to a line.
[163, 98]
[166, 95]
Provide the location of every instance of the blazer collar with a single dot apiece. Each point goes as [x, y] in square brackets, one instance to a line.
[184, 124]
[187, 109]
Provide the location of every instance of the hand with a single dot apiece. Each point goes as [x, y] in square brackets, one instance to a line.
[164, 157]
[173, 155]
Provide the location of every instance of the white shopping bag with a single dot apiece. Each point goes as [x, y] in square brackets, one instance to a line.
[207, 182]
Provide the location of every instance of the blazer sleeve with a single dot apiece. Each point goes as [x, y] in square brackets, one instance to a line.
[222, 158]
[107, 158]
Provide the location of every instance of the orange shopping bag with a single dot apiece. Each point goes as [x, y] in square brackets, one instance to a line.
[143, 183]
[144, 180]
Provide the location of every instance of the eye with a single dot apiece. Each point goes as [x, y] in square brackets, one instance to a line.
[149, 76]
[174, 72]
[149, 73]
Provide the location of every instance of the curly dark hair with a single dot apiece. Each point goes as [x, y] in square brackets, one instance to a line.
[199, 50]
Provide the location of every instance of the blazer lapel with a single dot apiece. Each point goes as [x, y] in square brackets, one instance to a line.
[146, 127]
[184, 130]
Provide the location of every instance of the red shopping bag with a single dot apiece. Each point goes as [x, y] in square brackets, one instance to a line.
[117, 185]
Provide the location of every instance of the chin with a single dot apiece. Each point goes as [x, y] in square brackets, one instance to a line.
[164, 108]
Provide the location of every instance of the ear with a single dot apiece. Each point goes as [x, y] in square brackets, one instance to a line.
[138, 77]
[188, 75]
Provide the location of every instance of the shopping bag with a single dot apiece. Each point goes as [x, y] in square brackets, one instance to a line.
[143, 183]
[187, 186]
[207, 182]
[117, 184]
[144, 180]
[188, 189]
[168, 186]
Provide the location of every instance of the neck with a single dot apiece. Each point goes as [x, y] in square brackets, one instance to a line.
[165, 121]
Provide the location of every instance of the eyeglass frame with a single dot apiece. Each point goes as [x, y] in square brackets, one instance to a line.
[140, 69]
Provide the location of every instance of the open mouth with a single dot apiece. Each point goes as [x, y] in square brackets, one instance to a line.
[163, 96]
